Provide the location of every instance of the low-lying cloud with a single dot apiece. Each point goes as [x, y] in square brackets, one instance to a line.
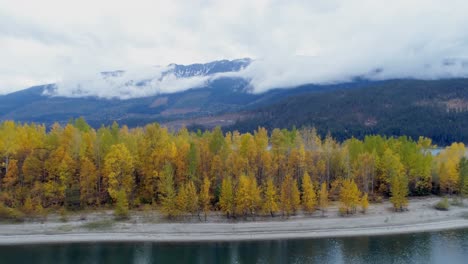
[134, 83]
[292, 42]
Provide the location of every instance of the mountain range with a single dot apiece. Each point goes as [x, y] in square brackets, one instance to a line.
[433, 108]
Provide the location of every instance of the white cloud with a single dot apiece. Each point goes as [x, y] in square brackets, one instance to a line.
[131, 83]
[294, 42]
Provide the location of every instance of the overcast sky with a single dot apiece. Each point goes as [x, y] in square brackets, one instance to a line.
[293, 42]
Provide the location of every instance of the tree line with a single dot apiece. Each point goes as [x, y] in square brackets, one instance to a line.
[263, 173]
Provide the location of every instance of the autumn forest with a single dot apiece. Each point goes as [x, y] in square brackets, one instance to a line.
[279, 172]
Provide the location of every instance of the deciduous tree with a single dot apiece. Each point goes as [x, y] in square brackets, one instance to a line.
[309, 198]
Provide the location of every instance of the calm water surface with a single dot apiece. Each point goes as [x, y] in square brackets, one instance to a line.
[448, 247]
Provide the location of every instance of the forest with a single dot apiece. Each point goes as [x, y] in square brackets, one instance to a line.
[278, 172]
[413, 108]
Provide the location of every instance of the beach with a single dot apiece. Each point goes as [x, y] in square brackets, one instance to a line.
[152, 227]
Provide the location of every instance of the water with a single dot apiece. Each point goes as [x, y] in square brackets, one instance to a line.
[448, 247]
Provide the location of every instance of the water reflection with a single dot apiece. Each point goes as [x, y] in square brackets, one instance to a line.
[439, 247]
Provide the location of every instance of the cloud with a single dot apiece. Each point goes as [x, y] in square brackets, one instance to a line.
[293, 42]
[131, 83]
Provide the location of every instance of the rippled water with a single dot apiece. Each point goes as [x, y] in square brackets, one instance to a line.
[438, 247]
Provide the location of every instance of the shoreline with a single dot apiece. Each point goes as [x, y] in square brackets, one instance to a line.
[421, 217]
[100, 237]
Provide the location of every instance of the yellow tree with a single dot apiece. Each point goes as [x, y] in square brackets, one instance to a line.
[389, 166]
[187, 198]
[349, 196]
[364, 203]
[448, 161]
[290, 196]
[205, 196]
[121, 206]
[8, 141]
[323, 198]
[449, 176]
[61, 169]
[168, 194]
[247, 196]
[399, 191]
[309, 198]
[118, 170]
[9, 183]
[88, 182]
[226, 198]
[270, 197]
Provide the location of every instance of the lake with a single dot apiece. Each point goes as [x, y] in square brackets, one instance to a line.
[448, 247]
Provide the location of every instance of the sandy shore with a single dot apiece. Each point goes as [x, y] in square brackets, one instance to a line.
[379, 220]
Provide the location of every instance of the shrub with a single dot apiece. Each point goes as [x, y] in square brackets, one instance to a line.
[342, 211]
[121, 206]
[63, 215]
[10, 214]
[364, 203]
[378, 199]
[442, 205]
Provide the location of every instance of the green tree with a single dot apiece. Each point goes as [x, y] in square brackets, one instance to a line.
[463, 182]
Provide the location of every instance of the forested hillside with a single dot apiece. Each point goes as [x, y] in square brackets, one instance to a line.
[76, 167]
[437, 109]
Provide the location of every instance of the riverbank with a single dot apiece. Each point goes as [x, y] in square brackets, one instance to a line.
[144, 226]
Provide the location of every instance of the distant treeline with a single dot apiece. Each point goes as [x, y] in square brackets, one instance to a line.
[283, 171]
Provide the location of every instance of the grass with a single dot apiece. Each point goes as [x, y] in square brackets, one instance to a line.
[99, 225]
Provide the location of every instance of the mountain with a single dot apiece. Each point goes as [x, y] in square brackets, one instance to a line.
[215, 98]
[437, 109]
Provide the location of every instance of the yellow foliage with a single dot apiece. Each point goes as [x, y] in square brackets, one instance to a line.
[226, 199]
[323, 197]
[118, 170]
[309, 198]
[205, 196]
[270, 197]
[290, 196]
[247, 196]
[399, 191]
[349, 196]
[364, 203]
